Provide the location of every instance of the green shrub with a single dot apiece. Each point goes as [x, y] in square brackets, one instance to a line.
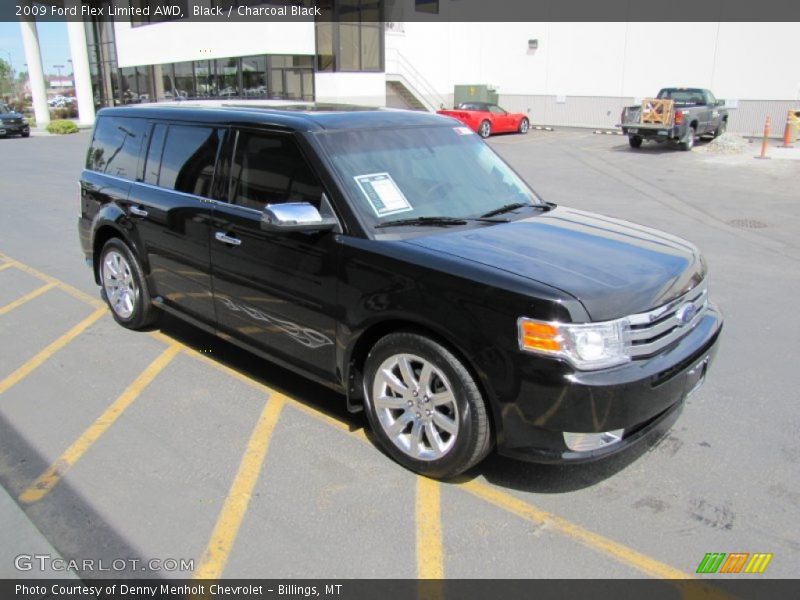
[61, 127]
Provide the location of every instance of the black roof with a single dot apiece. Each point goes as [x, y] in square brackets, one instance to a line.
[297, 117]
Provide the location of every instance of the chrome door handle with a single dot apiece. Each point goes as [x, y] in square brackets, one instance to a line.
[223, 237]
[136, 211]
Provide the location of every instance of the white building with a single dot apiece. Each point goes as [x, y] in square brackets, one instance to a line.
[560, 73]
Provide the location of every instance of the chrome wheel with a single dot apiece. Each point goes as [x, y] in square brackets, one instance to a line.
[119, 284]
[415, 406]
[523, 126]
[485, 129]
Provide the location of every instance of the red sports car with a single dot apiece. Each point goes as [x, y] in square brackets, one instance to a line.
[485, 118]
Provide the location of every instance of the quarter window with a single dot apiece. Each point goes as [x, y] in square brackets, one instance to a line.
[269, 169]
[187, 163]
[115, 147]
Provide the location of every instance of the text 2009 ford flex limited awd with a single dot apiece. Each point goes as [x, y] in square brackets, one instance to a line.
[393, 256]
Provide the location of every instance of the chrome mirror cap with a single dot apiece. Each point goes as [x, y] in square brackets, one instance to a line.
[294, 216]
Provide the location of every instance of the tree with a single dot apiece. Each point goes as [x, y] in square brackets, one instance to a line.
[6, 79]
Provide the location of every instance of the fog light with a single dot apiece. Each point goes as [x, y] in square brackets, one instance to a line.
[585, 442]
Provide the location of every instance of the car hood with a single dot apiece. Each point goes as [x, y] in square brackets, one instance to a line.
[614, 268]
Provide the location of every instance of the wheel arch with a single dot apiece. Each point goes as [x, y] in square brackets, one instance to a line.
[370, 336]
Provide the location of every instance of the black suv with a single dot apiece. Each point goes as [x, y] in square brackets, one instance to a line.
[394, 257]
[13, 123]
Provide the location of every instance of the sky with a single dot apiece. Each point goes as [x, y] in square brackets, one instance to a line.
[53, 42]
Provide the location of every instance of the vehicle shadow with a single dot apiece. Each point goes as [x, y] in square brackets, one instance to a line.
[656, 148]
[498, 470]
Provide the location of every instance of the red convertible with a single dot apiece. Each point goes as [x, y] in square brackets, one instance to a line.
[485, 119]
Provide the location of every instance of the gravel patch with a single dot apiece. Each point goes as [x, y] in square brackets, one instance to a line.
[727, 143]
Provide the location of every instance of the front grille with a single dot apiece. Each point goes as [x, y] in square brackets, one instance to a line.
[651, 332]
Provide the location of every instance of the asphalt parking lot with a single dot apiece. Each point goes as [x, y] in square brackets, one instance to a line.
[173, 445]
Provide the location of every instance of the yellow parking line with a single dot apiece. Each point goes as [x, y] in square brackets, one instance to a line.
[5, 266]
[505, 501]
[597, 542]
[30, 296]
[430, 557]
[233, 511]
[50, 478]
[51, 349]
[72, 291]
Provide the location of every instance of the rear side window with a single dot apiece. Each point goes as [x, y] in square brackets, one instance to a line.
[270, 169]
[153, 164]
[187, 162]
[115, 146]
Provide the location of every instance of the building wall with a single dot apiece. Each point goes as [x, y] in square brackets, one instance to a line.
[367, 89]
[739, 61]
[179, 41]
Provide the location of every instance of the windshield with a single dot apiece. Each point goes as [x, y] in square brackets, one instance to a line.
[392, 174]
[685, 97]
[4, 109]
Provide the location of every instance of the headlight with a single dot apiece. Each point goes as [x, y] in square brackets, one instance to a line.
[585, 345]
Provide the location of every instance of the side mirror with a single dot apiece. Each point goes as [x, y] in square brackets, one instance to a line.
[295, 216]
[720, 102]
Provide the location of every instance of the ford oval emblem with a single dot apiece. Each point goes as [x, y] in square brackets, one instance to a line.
[686, 313]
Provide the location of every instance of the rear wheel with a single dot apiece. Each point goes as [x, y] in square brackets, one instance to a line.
[424, 406]
[524, 125]
[124, 286]
[687, 143]
[485, 129]
[635, 141]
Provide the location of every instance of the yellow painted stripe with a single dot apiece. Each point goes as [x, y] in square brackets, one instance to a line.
[233, 510]
[72, 291]
[5, 266]
[54, 347]
[27, 297]
[50, 478]
[575, 532]
[430, 557]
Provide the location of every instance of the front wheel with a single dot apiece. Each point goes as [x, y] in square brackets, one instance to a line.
[687, 143]
[124, 286]
[424, 406]
[485, 129]
[524, 125]
[723, 125]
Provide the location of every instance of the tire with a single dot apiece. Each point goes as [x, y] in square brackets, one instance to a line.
[485, 129]
[723, 126]
[124, 287]
[430, 416]
[687, 143]
[635, 141]
[26, 134]
[524, 126]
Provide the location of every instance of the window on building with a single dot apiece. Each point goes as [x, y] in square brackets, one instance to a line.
[254, 76]
[269, 169]
[427, 6]
[184, 83]
[349, 36]
[115, 146]
[187, 162]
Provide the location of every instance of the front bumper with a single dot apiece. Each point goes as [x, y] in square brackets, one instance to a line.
[642, 397]
[14, 128]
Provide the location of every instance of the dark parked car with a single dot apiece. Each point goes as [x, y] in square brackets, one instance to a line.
[12, 123]
[394, 257]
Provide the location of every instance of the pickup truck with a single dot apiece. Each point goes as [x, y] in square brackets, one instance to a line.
[676, 114]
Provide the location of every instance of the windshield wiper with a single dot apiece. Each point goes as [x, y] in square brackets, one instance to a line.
[513, 206]
[427, 221]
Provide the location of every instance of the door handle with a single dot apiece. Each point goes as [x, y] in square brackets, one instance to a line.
[223, 237]
[137, 212]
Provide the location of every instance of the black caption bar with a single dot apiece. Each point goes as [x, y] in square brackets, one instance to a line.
[221, 11]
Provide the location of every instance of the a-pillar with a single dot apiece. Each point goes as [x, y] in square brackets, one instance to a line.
[33, 56]
[80, 68]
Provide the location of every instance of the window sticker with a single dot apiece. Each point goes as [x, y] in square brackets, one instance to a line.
[463, 130]
[383, 194]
